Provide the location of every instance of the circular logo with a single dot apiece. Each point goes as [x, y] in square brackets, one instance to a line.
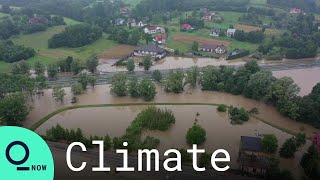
[24, 155]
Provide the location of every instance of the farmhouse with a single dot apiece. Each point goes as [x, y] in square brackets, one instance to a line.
[251, 158]
[141, 24]
[150, 50]
[316, 140]
[124, 10]
[218, 49]
[150, 30]
[119, 21]
[34, 20]
[207, 16]
[186, 27]
[216, 18]
[160, 38]
[131, 22]
[231, 32]
[295, 10]
[215, 32]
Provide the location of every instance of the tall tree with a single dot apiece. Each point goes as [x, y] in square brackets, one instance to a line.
[13, 109]
[58, 93]
[92, 64]
[147, 63]
[39, 68]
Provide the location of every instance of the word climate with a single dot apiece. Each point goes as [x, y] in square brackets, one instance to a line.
[174, 157]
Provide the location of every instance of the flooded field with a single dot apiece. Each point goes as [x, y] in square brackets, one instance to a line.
[306, 79]
[220, 133]
[101, 95]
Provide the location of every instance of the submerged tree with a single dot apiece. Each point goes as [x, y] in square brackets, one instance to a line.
[58, 93]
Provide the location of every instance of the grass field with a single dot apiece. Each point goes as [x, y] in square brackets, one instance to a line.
[39, 41]
[3, 15]
[132, 3]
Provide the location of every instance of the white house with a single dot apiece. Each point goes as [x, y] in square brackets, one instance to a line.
[215, 32]
[295, 10]
[141, 24]
[131, 22]
[150, 50]
[150, 30]
[218, 49]
[231, 32]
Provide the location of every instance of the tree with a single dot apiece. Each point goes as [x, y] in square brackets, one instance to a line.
[76, 88]
[92, 81]
[289, 148]
[195, 46]
[58, 93]
[76, 67]
[192, 76]
[222, 108]
[21, 68]
[52, 71]
[92, 64]
[119, 84]
[130, 65]
[147, 63]
[301, 139]
[39, 68]
[147, 89]
[133, 87]
[283, 93]
[258, 85]
[196, 135]
[13, 109]
[310, 163]
[41, 83]
[204, 160]
[157, 76]
[174, 82]
[269, 143]
[83, 79]
[107, 142]
[147, 37]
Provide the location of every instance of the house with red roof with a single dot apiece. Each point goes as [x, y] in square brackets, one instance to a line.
[316, 140]
[186, 27]
[150, 30]
[124, 10]
[160, 38]
[295, 10]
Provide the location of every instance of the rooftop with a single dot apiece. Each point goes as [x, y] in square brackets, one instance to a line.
[150, 48]
[251, 144]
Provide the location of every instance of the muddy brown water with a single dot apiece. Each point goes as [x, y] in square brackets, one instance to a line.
[220, 132]
[306, 79]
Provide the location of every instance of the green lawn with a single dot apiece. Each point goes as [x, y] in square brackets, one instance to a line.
[39, 41]
[3, 15]
[132, 3]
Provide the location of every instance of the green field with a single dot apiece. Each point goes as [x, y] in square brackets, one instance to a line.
[132, 3]
[39, 41]
[3, 15]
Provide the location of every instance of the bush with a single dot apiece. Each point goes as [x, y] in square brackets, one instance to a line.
[153, 119]
[289, 148]
[222, 108]
[270, 143]
[10, 52]
[157, 76]
[76, 88]
[130, 65]
[204, 160]
[238, 115]
[196, 135]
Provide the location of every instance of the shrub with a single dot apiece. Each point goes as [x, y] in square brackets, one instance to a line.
[270, 143]
[196, 135]
[222, 108]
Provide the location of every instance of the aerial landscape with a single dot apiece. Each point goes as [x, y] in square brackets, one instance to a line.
[239, 75]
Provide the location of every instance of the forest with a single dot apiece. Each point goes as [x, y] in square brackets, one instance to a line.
[10, 52]
[76, 36]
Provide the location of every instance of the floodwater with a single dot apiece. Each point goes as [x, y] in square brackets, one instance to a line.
[306, 79]
[101, 95]
[220, 133]
[170, 63]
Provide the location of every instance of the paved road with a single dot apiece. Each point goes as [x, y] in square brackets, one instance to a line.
[106, 77]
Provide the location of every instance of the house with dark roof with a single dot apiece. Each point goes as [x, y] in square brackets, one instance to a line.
[124, 10]
[218, 49]
[119, 21]
[215, 32]
[207, 16]
[251, 158]
[150, 50]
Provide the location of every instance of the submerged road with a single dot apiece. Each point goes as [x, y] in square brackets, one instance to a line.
[105, 78]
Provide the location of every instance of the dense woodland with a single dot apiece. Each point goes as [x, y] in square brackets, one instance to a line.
[10, 52]
[76, 36]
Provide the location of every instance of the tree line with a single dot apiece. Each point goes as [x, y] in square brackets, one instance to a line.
[10, 52]
[75, 36]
